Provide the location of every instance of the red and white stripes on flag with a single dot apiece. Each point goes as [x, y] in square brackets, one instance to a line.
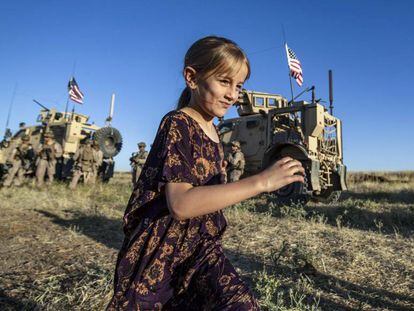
[295, 67]
[74, 92]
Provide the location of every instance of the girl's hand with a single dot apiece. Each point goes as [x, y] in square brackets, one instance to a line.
[280, 174]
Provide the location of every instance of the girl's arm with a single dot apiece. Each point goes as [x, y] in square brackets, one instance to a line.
[185, 201]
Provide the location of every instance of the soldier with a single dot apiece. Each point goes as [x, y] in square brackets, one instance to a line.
[235, 162]
[85, 161]
[20, 158]
[137, 161]
[98, 160]
[106, 171]
[47, 155]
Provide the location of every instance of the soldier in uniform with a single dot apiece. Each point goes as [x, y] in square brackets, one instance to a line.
[98, 160]
[137, 161]
[106, 171]
[47, 155]
[20, 158]
[235, 162]
[85, 161]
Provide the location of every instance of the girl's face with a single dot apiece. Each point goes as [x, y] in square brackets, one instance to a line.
[216, 94]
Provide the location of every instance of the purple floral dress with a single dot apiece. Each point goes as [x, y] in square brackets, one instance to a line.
[166, 264]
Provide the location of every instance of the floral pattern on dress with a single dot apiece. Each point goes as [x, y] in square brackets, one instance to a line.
[167, 264]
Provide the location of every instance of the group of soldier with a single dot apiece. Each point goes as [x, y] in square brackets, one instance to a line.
[234, 162]
[87, 160]
[25, 160]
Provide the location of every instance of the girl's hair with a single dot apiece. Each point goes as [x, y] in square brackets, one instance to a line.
[213, 55]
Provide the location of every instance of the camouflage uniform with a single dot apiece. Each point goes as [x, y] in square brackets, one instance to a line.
[98, 160]
[235, 162]
[47, 155]
[137, 161]
[20, 159]
[85, 162]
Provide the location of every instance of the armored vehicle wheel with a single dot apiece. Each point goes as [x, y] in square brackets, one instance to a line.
[328, 196]
[292, 194]
[109, 140]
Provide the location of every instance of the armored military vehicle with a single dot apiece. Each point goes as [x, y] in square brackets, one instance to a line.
[69, 129]
[270, 127]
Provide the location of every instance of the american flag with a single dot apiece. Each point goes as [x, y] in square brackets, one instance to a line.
[74, 92]
[294, 66]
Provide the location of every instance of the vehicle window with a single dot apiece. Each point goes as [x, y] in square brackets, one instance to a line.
[272, 102]
[258, 101]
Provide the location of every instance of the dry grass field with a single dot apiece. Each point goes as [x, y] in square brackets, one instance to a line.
[58, 247]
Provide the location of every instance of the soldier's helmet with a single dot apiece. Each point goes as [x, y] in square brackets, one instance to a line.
[49, 135]
[235, 143]
[142, 144]
[25, 138]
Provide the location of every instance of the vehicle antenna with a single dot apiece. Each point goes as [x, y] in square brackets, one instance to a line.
[44, 107]
[7, 132]
[111, 110]
[312, 88]
[330, 92]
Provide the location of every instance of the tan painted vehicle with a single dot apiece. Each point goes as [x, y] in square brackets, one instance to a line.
[69, 130]
[269, 128]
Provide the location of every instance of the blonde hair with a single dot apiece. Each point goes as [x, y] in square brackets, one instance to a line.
[213, 55]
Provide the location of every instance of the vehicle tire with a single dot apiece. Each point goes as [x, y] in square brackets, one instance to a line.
[109, 140]
[328, 196]
[293, 194]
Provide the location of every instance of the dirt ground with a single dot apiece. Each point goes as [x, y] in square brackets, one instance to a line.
[58, 247]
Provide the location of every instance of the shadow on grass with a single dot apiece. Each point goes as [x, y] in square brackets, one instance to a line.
[98, 227]
[398, 219]
[10, 303]
[400, 197]
[328, 284]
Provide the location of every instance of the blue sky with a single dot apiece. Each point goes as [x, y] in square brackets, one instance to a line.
[136, 49]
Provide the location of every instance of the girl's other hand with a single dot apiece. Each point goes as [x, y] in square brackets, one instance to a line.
[283, 172]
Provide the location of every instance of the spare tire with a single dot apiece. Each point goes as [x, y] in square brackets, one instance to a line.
[109, 140]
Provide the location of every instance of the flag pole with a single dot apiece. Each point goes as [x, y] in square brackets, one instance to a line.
[287, 57]
[290, 76]
[73, 74]
[66, 108]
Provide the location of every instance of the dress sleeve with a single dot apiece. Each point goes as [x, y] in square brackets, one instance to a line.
[177, 161]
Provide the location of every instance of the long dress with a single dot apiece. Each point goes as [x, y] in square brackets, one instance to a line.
[167, 264]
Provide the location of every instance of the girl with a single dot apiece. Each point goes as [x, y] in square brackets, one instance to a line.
[171, 257]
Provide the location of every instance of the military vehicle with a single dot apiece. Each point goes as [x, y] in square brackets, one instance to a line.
[69, 129]
[270, 127]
